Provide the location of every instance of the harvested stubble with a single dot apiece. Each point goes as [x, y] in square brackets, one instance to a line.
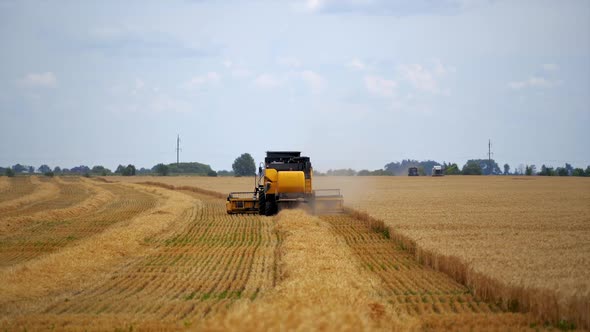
[29, 286]
[197, 263]
[15, 187]
[522, 241]
[361, 281]
[70, 198]
[202, 268]
[215, 185]
[25, 190]
[321, 288]
[186, 188]
[53, 222]
[438, 301]
[161, 270]
[4, 184]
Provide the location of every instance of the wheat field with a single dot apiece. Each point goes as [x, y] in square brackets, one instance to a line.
[520, 241]
[524, 241]
[160, 253]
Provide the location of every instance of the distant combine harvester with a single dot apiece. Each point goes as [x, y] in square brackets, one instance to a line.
[413, 171]
[437, 171]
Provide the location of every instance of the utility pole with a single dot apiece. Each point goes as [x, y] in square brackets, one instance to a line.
[177, 149]
[490, 156]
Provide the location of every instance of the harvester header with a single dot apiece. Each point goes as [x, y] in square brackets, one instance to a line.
[284, 181]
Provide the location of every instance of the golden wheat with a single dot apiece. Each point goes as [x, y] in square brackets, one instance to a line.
[321, 288]
[521, 241]
[182, 260]
[408, 295]
[15, 187]
[50, 228]
[220, 185]
[162, 254]
[4, 184]
[75, 266]
[27, 190]
[73, 199]
[416, 290]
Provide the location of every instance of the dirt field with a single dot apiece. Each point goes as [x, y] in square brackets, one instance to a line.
[84, 254]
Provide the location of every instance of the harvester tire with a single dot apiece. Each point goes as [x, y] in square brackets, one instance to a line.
[262, 204]
[270, 208]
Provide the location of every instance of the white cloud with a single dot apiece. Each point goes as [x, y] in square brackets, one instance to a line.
[356, 64]
[379, 86]
[389, 7]
[42, 80]
[313, 80]
[139, 85]
[442, 70]
[541, 82]
[533, 82]
[426, 78]
[154, 103]
[517, 85]
[267, 81]
[198, 81]
[142, 97]
[314, 4]
[316, 81]
[289, 61]
[420, 77]
[241, 72]
[165, 103]
[550, 67]
[236, 69]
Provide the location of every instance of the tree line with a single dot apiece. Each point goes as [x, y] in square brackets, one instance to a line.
[98, 170]
[471, 167]
[244, 165]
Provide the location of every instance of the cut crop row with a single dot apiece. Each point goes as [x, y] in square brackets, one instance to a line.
[43, 235]
[197, 269]
[409, 286]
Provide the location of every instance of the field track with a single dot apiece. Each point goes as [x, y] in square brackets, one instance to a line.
[155, 256]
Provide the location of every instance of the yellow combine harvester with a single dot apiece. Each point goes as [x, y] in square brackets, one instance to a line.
[285, 181]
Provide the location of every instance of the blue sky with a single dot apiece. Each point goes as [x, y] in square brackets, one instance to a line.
[353, 83]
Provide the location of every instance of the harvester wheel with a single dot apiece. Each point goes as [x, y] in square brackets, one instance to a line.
[262, 204]
[270, 208]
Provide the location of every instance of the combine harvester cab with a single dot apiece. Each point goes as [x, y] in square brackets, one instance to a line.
[413, 171]
[437, 171]
[285, 182]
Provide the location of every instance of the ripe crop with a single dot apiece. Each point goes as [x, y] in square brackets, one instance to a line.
[518, 241]
[161, 253]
